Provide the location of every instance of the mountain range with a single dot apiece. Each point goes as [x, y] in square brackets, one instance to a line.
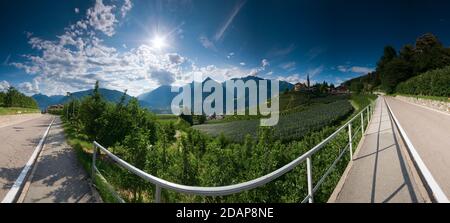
[158, 100]
[110, 95]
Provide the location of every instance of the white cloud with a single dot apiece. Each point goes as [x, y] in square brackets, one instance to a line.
[338, 81]
[102, 18]
[4, 85]
[242, 64]
[297, 77]
[208, 44]
[288, 66]
[74, 60]
[127, 5]
[355, 69]
[176, 58]
[315, 71]
[265, 63]
[29, 88]
[163, 77]
[82, 25]
[77, 10]
[254, 72]
[217, 73]
[294, 78]
[362, 70]
[230, 55]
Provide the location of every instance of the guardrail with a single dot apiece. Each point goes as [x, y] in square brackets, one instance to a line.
[237, 188]
[433, 188]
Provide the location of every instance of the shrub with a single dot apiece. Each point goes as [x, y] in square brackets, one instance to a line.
[431, 83]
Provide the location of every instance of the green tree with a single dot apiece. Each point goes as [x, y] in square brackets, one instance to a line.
[430, 54]
[356, 86]
[395, 72]
[2, 98]
[13, 98]
[91, 110]
[134, 149]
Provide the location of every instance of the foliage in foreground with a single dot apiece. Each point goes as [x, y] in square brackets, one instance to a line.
[174, 152]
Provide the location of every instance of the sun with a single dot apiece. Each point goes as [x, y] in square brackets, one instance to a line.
[159, 42]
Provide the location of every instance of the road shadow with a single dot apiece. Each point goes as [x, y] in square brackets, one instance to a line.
[8, 176]
[59, 177]
[403, 167]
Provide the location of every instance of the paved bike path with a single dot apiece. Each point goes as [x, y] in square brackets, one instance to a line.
[58, 176]
[380, 172]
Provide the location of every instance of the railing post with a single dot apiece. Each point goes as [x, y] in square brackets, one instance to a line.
[309, 177]
[368, 115]
[157, 194]
[94, 156]
[350, 143]
[362, 124]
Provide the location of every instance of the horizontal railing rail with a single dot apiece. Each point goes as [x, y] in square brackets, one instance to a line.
[260, 181]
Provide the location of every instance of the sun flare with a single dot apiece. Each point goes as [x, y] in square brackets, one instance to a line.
[159, 42]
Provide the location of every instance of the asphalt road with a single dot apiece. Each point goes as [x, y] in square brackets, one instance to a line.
[380, 171]
[429, 132]
[18, 139]
[58, 176]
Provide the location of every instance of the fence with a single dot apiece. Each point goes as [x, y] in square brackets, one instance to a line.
[364, 116]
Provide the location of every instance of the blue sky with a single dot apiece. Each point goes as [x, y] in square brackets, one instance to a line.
[52, 46]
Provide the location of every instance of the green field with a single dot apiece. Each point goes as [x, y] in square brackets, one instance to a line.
[166, 118]
[16, 111]
[300, 113]
[290, 126]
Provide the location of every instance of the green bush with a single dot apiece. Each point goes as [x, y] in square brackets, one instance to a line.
[431, 83]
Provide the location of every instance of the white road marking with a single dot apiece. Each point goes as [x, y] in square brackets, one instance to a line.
[13, 193]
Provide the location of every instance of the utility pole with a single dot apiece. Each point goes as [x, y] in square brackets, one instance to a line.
[67, 110]
[307, 81]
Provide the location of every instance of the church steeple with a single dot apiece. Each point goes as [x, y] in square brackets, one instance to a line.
[307, 81]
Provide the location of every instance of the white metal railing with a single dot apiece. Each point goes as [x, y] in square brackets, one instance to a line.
[237, 188]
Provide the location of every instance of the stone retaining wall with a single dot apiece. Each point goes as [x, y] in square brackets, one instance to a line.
[438, 105]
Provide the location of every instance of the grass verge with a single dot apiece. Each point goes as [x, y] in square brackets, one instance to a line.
[16, 110]
[83, 150]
